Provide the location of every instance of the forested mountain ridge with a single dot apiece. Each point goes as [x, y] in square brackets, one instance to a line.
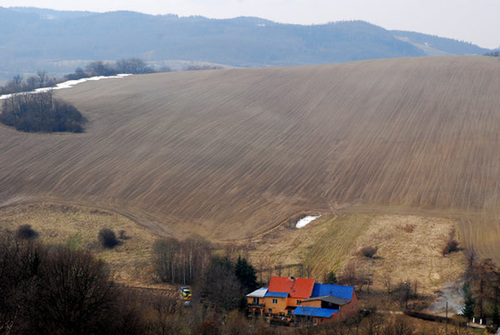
[59, 41]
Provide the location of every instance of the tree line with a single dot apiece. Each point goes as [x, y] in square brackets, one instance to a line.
[494, 53]
[56, 290]
[51, 289]
[100, 68]
[218, 281]
[20, 84]
[96, 68]
[481, 289]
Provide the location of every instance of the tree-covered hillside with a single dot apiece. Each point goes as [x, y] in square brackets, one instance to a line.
[58, 41]
[447, 45]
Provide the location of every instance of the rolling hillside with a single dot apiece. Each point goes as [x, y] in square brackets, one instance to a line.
[232, 153]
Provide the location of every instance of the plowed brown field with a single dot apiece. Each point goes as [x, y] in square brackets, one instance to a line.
[233, 153]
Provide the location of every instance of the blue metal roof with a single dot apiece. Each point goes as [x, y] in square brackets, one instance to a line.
[339, 291]
[276, 294]
[314, 311]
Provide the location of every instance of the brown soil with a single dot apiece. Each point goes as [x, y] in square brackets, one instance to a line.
[234, 153]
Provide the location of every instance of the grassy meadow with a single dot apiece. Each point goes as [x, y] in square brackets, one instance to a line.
[77, 227]
[409, 246]
[234, 154]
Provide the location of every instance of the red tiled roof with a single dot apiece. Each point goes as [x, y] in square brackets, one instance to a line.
[297, 287]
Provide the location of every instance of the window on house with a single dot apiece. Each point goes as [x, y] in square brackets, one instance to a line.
[275, 301]
[270, 310]
[255, 301]
[299, 302]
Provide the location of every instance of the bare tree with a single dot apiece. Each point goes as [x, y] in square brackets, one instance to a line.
[133, 66]
[99, 68]
[164, 259]
[388, 283]
[180, 262]
[14, 85]
[220, 287]
[403, 291]
[59, 291]
[349, 275]
[74, 295]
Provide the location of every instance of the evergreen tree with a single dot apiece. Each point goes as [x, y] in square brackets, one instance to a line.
[469, 304]
[331, 278]
[246, 274]
[495, 315]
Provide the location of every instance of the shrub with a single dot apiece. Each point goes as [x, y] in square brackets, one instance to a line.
[369, 251]
[409, 228]
[349, 275]
[451, 246]
[330, 278]
[207, 328]
[107, 238]
[122, 235]
[25, 232]
[40, 112]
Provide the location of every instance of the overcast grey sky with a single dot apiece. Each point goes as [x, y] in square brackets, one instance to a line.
[476, 21]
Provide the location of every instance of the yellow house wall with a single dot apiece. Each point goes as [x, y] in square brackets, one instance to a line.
[293, 302]
[278, 308]
[314, 303]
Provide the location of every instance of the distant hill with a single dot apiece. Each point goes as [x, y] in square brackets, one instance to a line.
[434, 45]
[59, 41]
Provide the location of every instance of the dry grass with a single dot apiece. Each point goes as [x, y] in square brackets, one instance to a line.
[319, 247]
[233, 153]
[332, 244]
[326, 244]
[78, 227]
[410, 256]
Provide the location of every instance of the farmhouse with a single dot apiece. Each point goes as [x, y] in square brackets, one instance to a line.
[286, 293]
[302, 299]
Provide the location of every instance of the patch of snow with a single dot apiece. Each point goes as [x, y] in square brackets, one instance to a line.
[306, 220]
[6, 96]
[66, 84]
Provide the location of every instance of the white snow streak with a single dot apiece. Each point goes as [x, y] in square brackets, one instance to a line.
[306, 220]
[66, 84]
